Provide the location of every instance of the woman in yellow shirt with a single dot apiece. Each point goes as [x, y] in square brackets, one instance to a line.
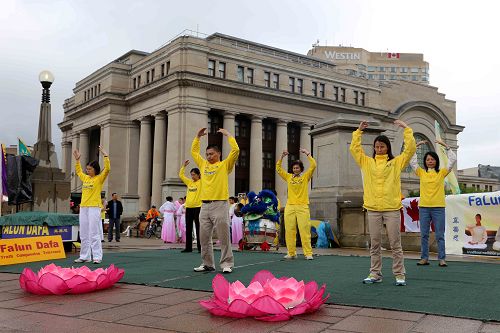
[193, 206]
[382, 196]
[297, 205]
[432, 201]
[90, 207]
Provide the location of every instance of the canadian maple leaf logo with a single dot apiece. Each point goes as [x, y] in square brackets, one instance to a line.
[413, 212]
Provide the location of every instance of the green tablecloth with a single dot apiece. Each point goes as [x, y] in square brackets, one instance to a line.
[39, 218]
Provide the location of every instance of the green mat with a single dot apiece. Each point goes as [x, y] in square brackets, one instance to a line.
[463, 289]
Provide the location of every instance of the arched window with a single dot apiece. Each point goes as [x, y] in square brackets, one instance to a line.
[421, 150]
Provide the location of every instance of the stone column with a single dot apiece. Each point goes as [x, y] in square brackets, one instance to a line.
[281, 145]
[84, 148]
[159, 153]
[67, 155]
[305, 142]
[144, 181]
[229, 126]
[256, 154]
[173, 157]
[74, 177]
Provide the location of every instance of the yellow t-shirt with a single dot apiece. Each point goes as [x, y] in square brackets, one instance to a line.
[214, 182]
[432, 187]
[193, 190]
[298, 186]
[92, 186]
[382, 178]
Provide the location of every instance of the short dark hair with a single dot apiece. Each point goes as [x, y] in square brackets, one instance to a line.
[434, 156]
[214, 147]
[153, 206]
[299, 163]
[383, 139]
[95, 165]
[478, 215]
[233, 198]
[196, 171]
[113, 193]
[169, 198]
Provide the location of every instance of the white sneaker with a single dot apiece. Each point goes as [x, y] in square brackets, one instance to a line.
[227, 270]
[80, 260]
[309, 257]
[204, 268]
[289, 257]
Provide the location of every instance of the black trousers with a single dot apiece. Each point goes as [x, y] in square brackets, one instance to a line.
[192, 215]
[114, 223]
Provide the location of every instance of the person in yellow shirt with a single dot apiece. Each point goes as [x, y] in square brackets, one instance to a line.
[297, 205]
[193, 206]
[214, 195]
[382, 196]
[90, 207]
[432, 200]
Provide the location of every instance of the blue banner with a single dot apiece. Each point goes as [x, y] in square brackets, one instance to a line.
[21, 231]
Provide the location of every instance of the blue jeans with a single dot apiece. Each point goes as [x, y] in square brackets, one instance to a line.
[436, 215]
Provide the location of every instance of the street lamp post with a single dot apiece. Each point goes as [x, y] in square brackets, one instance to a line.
[44, 148]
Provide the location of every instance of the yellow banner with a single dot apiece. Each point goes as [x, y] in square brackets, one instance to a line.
[19, 250]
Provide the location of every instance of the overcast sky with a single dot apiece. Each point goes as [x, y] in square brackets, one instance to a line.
[74, 38]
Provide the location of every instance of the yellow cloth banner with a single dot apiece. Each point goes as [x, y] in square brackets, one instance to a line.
[19, 250]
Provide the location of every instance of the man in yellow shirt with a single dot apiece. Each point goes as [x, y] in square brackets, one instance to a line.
[214, 194]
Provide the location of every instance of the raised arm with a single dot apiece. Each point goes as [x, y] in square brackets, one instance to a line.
[107, 164]
[282, 173]
[78, 166]
[182, 175]
[312, 163]
[413, 161]
[355, 148]
[452, 157]
[410, 147]
[235, 149]
[195, 147]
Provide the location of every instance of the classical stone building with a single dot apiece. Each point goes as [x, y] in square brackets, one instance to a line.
[145, 109]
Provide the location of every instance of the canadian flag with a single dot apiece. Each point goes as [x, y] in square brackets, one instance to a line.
[393, 55]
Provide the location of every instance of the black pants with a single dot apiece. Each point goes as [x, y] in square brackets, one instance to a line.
[116, 224]
[192, 215]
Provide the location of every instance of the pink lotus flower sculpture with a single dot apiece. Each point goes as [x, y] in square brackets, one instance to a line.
[53, 279]
[266, 297]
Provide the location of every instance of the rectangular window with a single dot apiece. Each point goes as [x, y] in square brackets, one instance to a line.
[147, 77]
[415, 69]
[299, 86]
[371, 76]
[267, 79]
[241, 73]
[250, 75]
[99, 89]
[222, 70]
[138, 81]
[276, 81]
[335, 93]
[85, 94]
[152, 75]
[425, 78]
[315, 89]
[403, 70]
[322, 90]
[135, 83]
[372, 68]
[162, 70]
[168, 67]
[92, 92]
[362, 98]
[356, 97]
[211, 68]
[291, 84]
[342, 95]
[393, 77]
[381, 76]
[404, 77]
[381, 69]
[414, 77]
[393, 70]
